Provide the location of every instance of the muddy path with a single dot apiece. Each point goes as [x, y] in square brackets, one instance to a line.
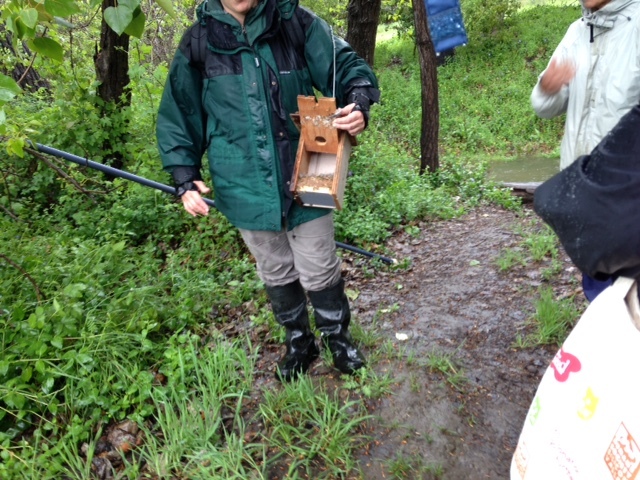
[450, 324]
[456, 304]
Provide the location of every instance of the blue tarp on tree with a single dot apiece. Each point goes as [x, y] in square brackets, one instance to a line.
[445, 24]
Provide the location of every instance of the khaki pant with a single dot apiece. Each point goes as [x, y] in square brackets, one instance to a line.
[307, 253]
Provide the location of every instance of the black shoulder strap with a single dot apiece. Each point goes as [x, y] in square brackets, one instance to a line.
[294, 29]
[198, 45]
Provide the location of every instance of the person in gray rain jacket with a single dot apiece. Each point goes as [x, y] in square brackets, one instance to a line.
[593, 77]
[232, 85]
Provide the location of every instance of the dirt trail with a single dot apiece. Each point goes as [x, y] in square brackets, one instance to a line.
[461, 387]
[456, 305]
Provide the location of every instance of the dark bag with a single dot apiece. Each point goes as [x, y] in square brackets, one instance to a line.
[594, 204]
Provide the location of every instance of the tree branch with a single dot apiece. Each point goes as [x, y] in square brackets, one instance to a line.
[39, 294]
[61, 173]
[10, 213]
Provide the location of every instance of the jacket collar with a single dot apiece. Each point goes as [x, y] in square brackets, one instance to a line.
[226, 33]
[608, 15]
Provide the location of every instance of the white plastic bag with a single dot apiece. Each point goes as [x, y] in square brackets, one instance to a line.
[584, 421]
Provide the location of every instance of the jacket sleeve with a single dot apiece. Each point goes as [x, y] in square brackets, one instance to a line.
[181, 124]
[355, 81]
[549, 106]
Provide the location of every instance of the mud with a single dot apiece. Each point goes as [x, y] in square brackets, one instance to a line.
[461, 385]
[456, 303]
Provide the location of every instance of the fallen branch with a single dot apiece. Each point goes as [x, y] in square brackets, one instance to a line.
[10, 213]
[39, 293]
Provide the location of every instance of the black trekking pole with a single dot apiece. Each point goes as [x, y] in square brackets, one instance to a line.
[114, 172]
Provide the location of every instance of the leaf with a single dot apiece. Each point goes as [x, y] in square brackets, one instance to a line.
[27, 373]
[130, 4]
[40, 366]
[47, 47]
[15, 400]
[136, 27]
[8, 88]
[21, 30]
[83, 358]
[15, 146]
[61, 8]
[167, 6]
[118, 18]
[57, 342]
[29, 17]
[74, 290]
[47, 385]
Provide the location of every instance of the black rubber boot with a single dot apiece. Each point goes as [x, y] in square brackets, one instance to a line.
[289, 304]
[333, 316]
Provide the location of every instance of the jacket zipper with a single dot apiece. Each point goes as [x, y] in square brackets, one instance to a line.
[255, 56]
[267, 99]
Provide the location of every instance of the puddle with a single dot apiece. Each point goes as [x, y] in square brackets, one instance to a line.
[523, 170]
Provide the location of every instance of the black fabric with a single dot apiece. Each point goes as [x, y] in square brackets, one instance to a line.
[363, 97]
[289, 44]
[183, 174]
[594, 204]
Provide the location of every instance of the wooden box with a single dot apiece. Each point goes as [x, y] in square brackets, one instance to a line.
[322, 160]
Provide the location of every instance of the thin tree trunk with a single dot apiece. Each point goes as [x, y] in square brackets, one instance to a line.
[429, 79]
[363, 17]
[112, 71]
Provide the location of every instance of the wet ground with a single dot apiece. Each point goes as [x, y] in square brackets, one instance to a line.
[523, 170]
[447, 331]
[461, 385]
[461, 422]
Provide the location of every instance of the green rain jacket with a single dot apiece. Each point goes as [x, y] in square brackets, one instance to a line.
[230, 92]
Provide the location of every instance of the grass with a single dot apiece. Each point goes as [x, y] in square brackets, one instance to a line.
[312, 430]
[553, 318]
[403, 467]
[538, 247]
[444, 364]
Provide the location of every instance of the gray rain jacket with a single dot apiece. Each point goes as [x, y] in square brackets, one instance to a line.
[605, 47]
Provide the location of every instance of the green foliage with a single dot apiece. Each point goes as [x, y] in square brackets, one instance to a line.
[333, 11]
[484, 19]
[209, 380]
[104, 285]
[23, 19]
[483, 90]
[309, 427]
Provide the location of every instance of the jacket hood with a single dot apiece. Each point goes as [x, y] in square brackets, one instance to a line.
[261, 22]
[607, 16]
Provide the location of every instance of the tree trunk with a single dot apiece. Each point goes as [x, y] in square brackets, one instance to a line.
[362, 25]
[429, 79]
[112, 71]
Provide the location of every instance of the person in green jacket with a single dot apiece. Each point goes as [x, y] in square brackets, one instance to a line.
[232, 85]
